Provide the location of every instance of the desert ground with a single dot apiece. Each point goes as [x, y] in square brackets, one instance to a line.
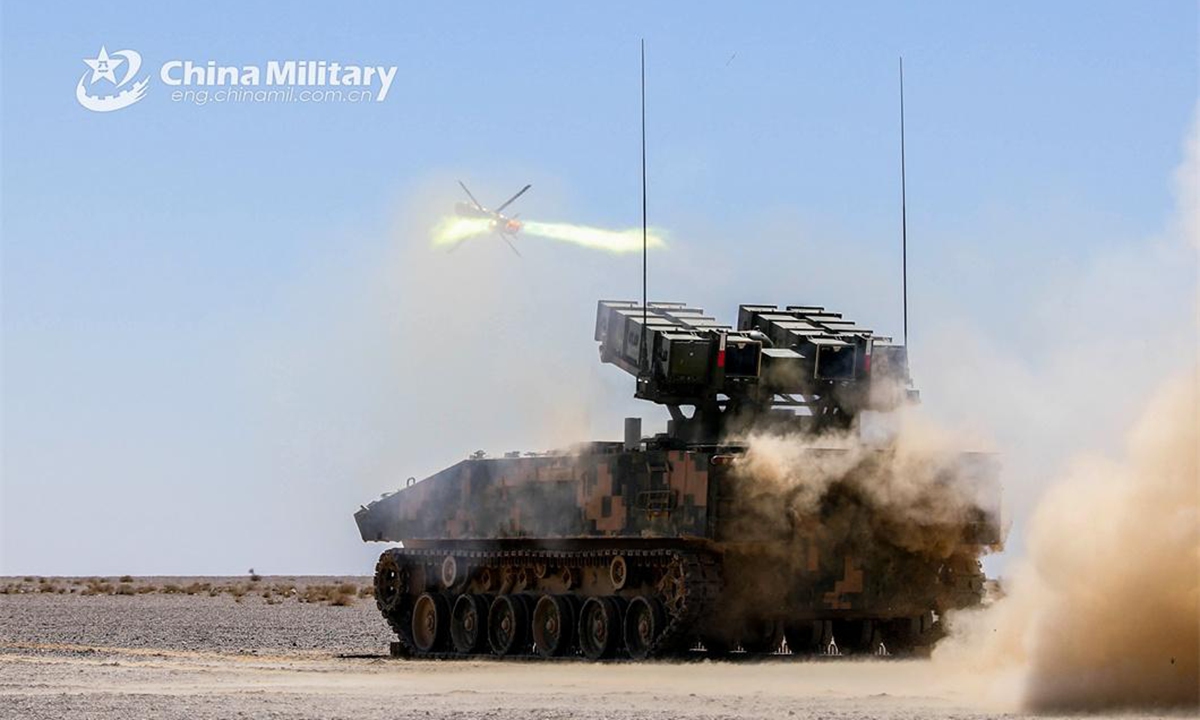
[305, 647]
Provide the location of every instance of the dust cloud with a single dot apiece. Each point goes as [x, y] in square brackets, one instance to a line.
[920, 492]
[1105, 611]
[905, 508]
[1102, 604]
[1102, 611]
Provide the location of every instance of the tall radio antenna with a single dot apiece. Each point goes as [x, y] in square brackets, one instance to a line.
[645, 307]
[903, 211]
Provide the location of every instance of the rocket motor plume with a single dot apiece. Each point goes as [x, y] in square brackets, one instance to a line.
[452, 230]
[613, 241]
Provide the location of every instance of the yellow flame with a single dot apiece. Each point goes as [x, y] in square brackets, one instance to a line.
[613, 241]
[452, 230]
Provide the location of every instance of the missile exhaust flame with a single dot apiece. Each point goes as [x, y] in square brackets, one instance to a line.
[451, 231]
[614, 241]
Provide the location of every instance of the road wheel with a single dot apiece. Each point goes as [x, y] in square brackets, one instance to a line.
[507, 625]
[468, 621]
[431, 615]
[599, 627]
[644, 621]
[553, 625]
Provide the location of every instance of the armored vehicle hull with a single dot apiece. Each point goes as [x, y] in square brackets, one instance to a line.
[606, 552]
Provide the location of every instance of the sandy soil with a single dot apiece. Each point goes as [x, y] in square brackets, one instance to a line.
[201, 656]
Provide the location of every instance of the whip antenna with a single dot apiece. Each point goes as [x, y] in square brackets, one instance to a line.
[645, 308]
[903, 212]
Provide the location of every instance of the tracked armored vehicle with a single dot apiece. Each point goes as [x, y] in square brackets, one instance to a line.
[696, 538]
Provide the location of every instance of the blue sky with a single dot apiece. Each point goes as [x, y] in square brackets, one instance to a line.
[223, 328]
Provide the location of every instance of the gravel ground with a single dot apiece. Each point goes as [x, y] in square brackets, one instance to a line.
[201, 656]
[195, 622]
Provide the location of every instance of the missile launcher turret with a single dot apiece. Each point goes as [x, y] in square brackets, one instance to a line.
[800, 358]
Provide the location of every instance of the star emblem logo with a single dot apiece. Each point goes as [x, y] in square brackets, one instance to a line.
[122, 91]
[103, 66]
